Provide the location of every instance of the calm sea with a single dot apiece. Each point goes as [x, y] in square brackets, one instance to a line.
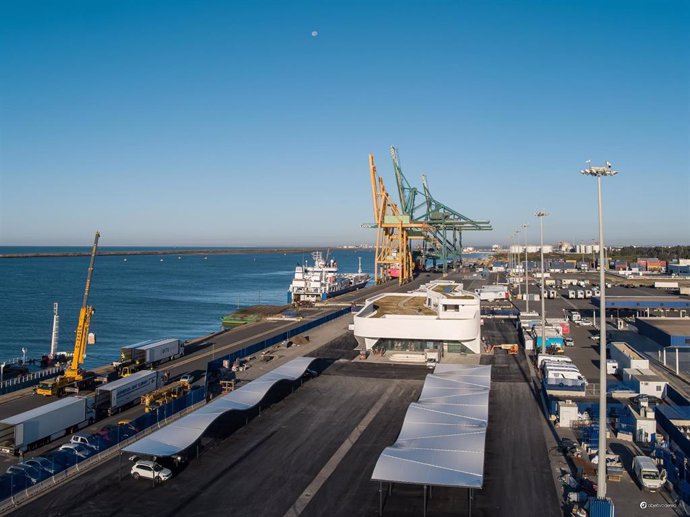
[142, 297]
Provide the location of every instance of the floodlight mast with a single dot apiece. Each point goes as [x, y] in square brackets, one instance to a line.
[598, 172]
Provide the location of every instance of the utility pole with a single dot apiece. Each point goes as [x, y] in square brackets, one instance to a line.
[524, 226]
[541, 214]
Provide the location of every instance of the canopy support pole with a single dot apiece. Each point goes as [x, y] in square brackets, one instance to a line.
[424, 501]
[380, 498]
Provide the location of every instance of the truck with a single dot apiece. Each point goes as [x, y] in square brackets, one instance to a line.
[571, 294]
[36, 427]
[665, 285]
[432, 357]
[113, 397]
[551, 341]
[580, 294]
[157, 398]
[149, 355]
[647, 473]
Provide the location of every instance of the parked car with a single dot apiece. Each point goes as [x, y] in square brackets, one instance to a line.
[61, 459]
[42, 463]
[568, 341]
[26, 470]
[187, 378]
[150, 470]
[11, 484]
[92, 441]
[78, 449]
[586, 322]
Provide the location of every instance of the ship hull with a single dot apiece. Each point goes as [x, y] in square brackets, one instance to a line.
[326, 296]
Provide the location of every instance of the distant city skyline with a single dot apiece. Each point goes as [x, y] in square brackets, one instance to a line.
[228, 124]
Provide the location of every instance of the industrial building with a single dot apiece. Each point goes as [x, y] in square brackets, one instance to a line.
[666, 331]
[440, 315]
[645, 305]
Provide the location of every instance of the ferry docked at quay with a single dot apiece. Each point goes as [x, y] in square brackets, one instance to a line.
[322, 281]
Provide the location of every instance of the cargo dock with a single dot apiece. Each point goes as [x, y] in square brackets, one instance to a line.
[313, 446]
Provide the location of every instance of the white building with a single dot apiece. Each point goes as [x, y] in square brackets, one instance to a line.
[587, 249]
[516, 248]
[439, 315]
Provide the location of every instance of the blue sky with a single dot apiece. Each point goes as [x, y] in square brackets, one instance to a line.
[228, 123]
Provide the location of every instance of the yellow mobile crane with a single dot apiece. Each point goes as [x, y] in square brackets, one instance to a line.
[74, 375]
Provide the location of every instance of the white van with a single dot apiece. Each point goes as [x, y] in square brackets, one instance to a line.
[647, 473]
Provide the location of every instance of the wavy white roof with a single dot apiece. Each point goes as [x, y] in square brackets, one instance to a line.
[182, 433]
[443, 435]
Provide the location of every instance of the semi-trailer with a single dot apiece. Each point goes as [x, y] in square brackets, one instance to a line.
[148, 355]
[118, 395]
[41, 425]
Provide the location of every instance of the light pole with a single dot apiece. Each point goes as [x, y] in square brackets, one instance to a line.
[2, 373]
[598, 172]
[517, 259]
[541, 214]
[524, 226]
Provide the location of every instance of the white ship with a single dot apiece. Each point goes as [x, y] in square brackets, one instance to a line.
[322, 281]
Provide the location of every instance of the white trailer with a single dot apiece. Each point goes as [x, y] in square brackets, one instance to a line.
[580, 294]
[588, 293]
[115, 396]
[542, 358]
[665, 285]
[158, 352]
[571, 294]
[44, 424]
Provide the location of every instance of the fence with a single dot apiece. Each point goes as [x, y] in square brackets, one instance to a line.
[145, 424]
[31, 379]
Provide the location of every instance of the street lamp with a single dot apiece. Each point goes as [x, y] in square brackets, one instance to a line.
[525, 226]
[598, 172]
[516, 258]
[541, 214]
[2, 373]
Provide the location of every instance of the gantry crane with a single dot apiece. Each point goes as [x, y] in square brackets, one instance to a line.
[74, 375]
[394, 230]
[445, 226]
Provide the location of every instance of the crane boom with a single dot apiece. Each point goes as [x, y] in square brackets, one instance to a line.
[84, 320]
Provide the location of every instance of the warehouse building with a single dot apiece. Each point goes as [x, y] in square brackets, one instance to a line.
[666, 331]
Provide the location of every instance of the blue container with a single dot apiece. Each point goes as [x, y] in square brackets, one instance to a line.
[601, 507]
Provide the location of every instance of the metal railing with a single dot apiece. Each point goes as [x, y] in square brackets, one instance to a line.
[170, 412]
[30, 379]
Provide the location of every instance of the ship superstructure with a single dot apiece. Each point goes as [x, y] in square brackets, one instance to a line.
[322, 280]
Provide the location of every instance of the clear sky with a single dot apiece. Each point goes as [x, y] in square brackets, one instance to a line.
[228, 123]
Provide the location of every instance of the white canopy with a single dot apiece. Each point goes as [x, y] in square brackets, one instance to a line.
[182, 433]
[443, 435]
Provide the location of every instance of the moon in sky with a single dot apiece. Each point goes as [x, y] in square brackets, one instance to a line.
[314, 34]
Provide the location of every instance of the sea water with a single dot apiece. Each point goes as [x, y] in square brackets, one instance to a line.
[139, 297]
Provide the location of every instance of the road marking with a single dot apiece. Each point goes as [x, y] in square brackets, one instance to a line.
[305, 497]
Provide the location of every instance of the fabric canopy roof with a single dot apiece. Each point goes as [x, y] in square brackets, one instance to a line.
[443, 435]
[182, 433]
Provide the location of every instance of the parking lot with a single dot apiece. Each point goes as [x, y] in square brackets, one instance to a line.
[628, 497]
